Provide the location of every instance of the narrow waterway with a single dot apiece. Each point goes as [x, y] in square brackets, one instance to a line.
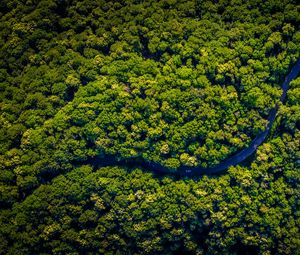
[196, 171]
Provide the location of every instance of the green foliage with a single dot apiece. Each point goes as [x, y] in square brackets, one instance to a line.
[180, 83]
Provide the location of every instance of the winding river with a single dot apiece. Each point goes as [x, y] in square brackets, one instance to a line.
[197, 171]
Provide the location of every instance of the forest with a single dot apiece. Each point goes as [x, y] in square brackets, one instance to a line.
[86, 86]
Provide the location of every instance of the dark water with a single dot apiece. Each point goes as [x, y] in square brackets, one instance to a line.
[182, 171]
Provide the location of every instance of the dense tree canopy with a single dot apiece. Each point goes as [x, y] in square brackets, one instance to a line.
[180, 83]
